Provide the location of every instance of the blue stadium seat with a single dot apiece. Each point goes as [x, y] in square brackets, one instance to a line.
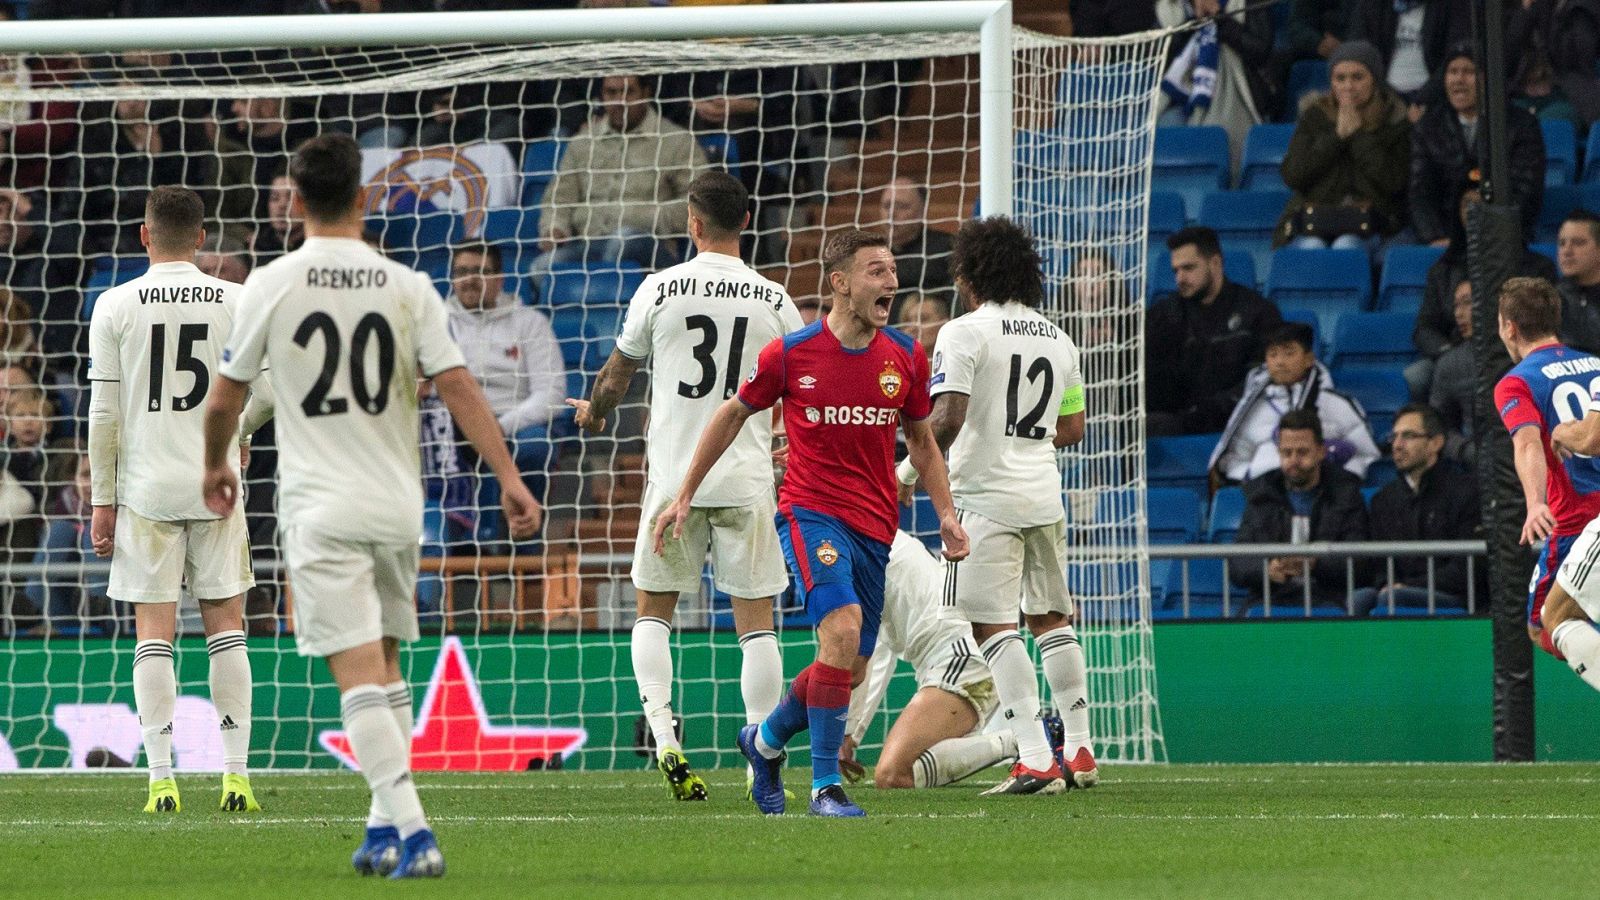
[1264, 147]
[1191, 159]
[1405, 276]
[1206, 589]
[1331, 282]
[1380, 341]
[721, 149]
[577, 283]
[1561, 199]
[1167, 215]
[1227, 511]
[539, 163]
[567, 322]
[1560, 151]
[1174, 515]
[1591, 158]
[1238, 266]
[1245, 219]
[1305, 76]
[1180, 461]
[600, 329]
[1548, 251]
[921, 521]
[1380, 392]
[417, 239]
[107, 272]
[1307, 317]
[1380, 473]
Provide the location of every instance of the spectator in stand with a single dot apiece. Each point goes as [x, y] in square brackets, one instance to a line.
[922, 316]
[512, 351]
[1217, 71]
[59, 592]
[1111, 18]
[921, 254]
[1413, 35]
[264, 132]
[1436, 331]
[46, 281]
[35, 136]
[1317, 27]
[1346, 162]
[27, 415]
[1204, 339]
[1578, 258]
[1434, 499]
[1097, 294]
[1555, 44]
[1447, 148]
[1455, 382]
[223, 256]
[1290, 379]
[15, 378]
[621, 191]
[1305, 498]
[18, 345]
[465, 114]
[281, 232]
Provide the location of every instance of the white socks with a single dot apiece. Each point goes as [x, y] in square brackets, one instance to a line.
[1580, 644]
[1017, 683]
[155, 695]
[400, 705]
[1068, 677]
[652, 669]
[230, 693]
[953, 759]
[384, 756]
[760, 675]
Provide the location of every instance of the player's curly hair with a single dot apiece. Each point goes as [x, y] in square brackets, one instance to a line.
[997, 259]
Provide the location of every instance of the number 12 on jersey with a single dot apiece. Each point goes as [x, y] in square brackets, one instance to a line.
[1029, 426]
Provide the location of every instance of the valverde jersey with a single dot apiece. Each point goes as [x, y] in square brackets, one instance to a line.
[704, 321]
[841, 408]
[348, 331]
[1551, 385]
[1020, 372]
[160, 337]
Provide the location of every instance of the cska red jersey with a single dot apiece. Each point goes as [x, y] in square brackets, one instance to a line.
[1554, 384]
[841, 408]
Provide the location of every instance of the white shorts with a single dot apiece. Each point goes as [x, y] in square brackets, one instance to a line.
[153, 560]
[1008, 571]
[1576, 574]
[958, 668]
[349, 593]
[746, 561]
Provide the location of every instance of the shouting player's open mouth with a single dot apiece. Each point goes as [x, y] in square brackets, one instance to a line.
[881, 306]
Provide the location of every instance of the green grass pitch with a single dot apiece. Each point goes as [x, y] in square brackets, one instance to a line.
[1174, 831]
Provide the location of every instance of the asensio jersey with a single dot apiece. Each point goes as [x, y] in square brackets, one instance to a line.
[1551, 385]
[841, 408]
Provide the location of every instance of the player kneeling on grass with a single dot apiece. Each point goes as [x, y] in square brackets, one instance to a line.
[153, 344]
[348, 331]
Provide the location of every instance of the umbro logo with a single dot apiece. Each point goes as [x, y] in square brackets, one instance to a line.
[227, 723]
[808, 381]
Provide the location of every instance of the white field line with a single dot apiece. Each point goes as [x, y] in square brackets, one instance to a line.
[352, 822]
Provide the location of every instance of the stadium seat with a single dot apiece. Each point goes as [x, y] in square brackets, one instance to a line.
[1372, 341]
[921, 521]
[1227, 510]
[1264, 146]
[539, 163]
[107, 272]
[721, 149]
[1305, 76]
[1173, 515]
[1381, 393]
[1560, 151]
[1307, 317]
[1548, 251]
[1561, 199]
[1190, 159]
[1238, 266]
[1180, 461]
[417, 239]
[1167, 215]
[600, 329]
[1331, 282]
[1206, 589]
[1380, 473]
[567, 322]
[1591, 158]
[1245, 219]
[1405, 276]
[568, 283]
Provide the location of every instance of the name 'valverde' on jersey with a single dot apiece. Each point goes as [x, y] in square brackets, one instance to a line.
[347, 332]
[1551, 385]
[841, 409]
[1020, 372]
[160, 338]
[704, 321]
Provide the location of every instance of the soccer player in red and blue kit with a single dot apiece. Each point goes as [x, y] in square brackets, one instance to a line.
[846, 381]
[1550, 384]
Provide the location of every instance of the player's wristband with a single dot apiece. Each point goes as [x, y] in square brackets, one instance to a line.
[906, 472]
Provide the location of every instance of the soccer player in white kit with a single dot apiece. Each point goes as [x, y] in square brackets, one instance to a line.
[935, 740]
[704, 322]
[1008, 392]
[348, 332]
[154, 344]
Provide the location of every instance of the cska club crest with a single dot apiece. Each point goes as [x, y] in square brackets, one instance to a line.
[889, 381]
[826, 554]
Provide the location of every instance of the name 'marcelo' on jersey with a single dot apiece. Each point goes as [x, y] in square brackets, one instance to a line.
[348, 332]
[1551, 385]
[1020, 372]
[703, 322]
[159, 339]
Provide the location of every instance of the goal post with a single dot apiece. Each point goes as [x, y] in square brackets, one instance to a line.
[465, 121]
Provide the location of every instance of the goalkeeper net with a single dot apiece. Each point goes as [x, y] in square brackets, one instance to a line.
[524, 661]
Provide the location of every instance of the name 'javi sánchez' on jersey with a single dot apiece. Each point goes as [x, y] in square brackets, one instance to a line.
[188, 293]
[1028, 328]
[718, 290]
[348, 279]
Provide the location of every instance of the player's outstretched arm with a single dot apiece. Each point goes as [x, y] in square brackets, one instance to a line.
[105, 436]
[610, 386]
[1528, 454]
[1582, 436]
[223, 405]
[719, 434]
[464, 398]
[928, 459]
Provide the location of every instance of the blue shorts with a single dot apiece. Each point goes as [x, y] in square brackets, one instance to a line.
[824, 551]
[1544, 574]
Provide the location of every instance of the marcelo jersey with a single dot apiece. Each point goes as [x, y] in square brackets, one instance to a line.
[1551, 385]
[704, 322]
[1020, 372]
[841, 408]
[912, 626]
[348, 331]
[160, 337]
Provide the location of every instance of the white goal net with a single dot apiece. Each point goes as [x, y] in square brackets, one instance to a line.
[524, 659]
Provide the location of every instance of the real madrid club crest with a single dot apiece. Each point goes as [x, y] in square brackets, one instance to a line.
[826, 554]
[889, 381]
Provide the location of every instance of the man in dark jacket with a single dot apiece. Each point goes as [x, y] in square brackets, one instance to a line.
[1432, 500]
[1201, 341]
[1578, 258]
[1305, 499]
[1430, 28]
